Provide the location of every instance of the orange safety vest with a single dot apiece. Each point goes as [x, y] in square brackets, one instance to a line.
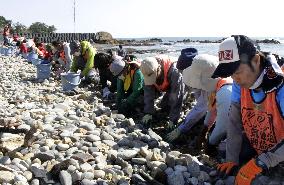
[62, 56]
[164, 86]
[262, 122]
[212, 100]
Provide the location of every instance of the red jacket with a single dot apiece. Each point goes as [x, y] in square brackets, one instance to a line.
[23, 48]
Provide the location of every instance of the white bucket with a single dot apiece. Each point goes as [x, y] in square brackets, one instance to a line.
[70, 81]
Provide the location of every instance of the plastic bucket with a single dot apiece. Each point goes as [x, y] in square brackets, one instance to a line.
[43, 71]
[45, 62]
[4, 51]
[10, 51]
[25, 55]
[70, 81]
[36, 61]
[32, 56]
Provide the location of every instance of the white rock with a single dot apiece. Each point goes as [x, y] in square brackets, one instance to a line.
[71, 168]
[127, 154]
[65, 178]
[93, 138]
[86, 167]
[28, 175]
[62, 147]
[99, 174]
[62, 106]
[6, 176]
[20, 178]
[88, 175]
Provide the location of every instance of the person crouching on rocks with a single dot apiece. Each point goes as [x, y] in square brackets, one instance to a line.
[33, 49]
[103, 61]
[83, 60]
[63, 56]
[198, 76]
[198, 112]
[130, 84]
[161, 75]
[255, 130]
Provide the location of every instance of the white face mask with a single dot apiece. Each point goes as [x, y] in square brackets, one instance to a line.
[77, 53]
[258, 81]
[121, 77]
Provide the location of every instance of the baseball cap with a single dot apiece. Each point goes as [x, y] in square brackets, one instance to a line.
[186, 57]
[117, 66]
[233, 51]
[74, 46]
[149, 68]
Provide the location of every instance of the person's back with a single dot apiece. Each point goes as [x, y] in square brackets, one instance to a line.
[102, 62]
[6, 33]
[129, 84]
[161, 75]
[121, 52]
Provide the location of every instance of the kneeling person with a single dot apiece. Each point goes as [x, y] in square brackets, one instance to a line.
[161, 75]
[129, 84]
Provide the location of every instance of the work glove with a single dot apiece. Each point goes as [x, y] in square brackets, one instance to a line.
[247, 173]
[173, 135]
[106, 93]
[147, 118]
[170, 125]
[226, 169]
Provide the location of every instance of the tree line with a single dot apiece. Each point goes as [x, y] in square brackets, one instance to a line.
[36, 27]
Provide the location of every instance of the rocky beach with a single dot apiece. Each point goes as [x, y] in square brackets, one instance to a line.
[79, 140]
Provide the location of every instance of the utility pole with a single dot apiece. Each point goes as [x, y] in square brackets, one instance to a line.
[74, 16]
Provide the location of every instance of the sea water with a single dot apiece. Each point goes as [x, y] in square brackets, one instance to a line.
[208, 48]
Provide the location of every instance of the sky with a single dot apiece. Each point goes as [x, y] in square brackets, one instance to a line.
[153, 18]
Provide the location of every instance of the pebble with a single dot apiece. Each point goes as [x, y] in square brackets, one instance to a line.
[28, 175]
[5, 160]
[20, 178]
[35, 182]
[85, 167]
[176, 178]
[99, 145]
[99, 174]
[93, 138]
[193, 181]
[6, 176]
[169, 171]
[180, 168]
[127, 154]
[139, 160]
[62, 147]
[65, 178]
